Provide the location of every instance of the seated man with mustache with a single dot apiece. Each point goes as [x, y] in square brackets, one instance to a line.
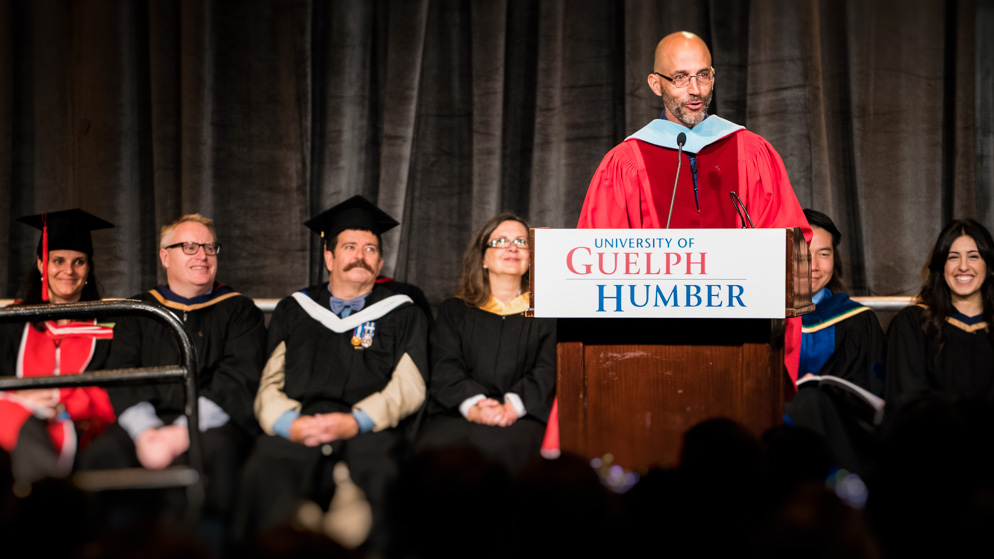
[348, 362]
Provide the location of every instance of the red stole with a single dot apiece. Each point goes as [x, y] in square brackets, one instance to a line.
[59, 350]
[65, 349]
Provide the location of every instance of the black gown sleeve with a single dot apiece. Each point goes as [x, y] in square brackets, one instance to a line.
[451, 382]
[126, 353]
[416, 336]
[101, 354]
[907, 358]
[236, 378]
[859, 352]
[537, 388]
[10, 342]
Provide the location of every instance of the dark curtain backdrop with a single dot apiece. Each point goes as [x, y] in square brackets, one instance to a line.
[262, 113]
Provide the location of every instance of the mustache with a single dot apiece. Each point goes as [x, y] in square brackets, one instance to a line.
[359, 264]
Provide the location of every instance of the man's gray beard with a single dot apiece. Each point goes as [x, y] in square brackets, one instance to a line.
[689, 120]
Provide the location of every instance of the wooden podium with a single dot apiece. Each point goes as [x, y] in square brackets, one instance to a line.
[632, 387]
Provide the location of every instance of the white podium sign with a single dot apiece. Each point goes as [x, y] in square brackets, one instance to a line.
[665, 273]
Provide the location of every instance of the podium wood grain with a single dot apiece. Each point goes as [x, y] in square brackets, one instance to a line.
[636, 400]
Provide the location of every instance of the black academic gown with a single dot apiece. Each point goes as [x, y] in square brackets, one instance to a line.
[478, 352]
[229, 333]
[857, 355]
[963, 367]
[325, 372]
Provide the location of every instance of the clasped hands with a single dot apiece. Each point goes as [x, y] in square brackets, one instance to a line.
[491, 412]
[42, 400]
[157, 447]
[321, 428]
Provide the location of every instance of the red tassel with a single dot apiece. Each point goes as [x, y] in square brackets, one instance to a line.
[44, 257]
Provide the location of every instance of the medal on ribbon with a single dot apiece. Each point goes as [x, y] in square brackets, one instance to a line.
[362, 336]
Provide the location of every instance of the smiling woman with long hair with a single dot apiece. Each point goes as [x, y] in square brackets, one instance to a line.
[493, 373]
[944, 343]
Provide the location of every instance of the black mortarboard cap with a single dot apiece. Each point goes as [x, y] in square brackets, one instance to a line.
[354, 213]
[63, 230]
[67, 229]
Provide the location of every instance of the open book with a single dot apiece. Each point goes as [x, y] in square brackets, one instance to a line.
[864, 404]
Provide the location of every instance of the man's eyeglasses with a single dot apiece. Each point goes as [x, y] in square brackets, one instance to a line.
[683, 80]
[211, 249]
[504, 243]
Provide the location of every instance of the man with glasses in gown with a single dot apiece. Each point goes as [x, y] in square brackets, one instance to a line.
[638, 185]
[229, 334]
[634, 185]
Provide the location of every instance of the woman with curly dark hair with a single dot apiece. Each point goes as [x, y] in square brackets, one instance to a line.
[493, 373]
[944, 343]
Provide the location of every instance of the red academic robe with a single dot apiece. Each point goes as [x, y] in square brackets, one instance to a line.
[632, 189]
[59, 350]
[633, 186]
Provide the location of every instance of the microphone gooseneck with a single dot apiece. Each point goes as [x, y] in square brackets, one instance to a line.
[681, 139]
[743, 212]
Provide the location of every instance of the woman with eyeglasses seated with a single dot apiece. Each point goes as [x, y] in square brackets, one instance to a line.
[945, 344]
[493, 376]
[42, 428]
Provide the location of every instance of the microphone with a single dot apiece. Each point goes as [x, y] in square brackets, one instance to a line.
[681, 139]
[741, 209]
